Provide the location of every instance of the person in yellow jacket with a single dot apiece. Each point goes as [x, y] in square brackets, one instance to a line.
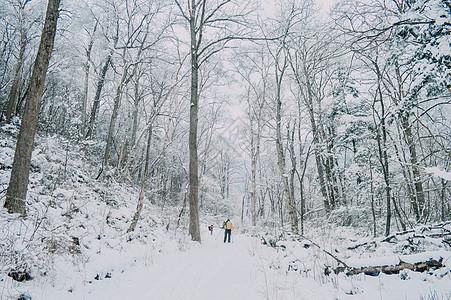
[228, 227]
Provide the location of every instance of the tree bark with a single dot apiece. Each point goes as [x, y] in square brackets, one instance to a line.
[17, 188]
[194, 230]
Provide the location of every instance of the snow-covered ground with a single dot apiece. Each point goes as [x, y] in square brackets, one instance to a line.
[212, 270]
[243, 269]
[75, 246]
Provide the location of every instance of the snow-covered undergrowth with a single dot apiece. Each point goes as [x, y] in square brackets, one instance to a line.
[312, 266]
[74, 245]
[75, 231]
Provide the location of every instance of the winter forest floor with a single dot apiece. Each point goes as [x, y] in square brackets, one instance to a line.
[74, 245]
[243, 269]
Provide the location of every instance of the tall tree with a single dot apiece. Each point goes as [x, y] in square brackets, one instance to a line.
[17, 188]
[201, 16]
[291, 15]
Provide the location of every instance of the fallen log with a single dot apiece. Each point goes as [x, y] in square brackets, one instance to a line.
[376, 270]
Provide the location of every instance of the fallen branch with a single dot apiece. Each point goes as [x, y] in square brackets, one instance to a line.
[325, 251]
[375, 271]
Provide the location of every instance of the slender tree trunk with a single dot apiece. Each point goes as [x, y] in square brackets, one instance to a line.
[17, 188]
[14, 93]
[96, 103]
[445, 210]
[149, 140]
[303, 165]
[254, 157]
[373, 210]
[139, 206]
[86, 82]
[117, 104]
[408, 180]
[253, 180]
[291, 208]
[100, 84]
[417, 182]
[135, 112]
[319, 166]
[121, 154]
[382, 148]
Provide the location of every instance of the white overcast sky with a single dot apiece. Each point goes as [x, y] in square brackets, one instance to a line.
[324, 4]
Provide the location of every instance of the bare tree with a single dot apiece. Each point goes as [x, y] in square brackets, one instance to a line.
[200, 16]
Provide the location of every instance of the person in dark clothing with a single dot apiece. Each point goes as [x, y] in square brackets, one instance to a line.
[228, 227]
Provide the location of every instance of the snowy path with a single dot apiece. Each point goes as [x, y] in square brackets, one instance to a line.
[212, 270]
[237, 271]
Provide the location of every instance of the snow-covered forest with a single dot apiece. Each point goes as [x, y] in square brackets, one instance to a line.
[130, 126]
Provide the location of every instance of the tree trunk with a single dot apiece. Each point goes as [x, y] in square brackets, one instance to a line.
[382, 148]
[253, 180]
[303, 165]
[86, 82]
[96, 103]
[139, 206]
[17, 188]
[100, 84]
[254, 157]
[149, 140]
[14, 93]
[373, 210]
[135, 112]
[194, 230]
[291, 208]
[419, 192]
[117, 104]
